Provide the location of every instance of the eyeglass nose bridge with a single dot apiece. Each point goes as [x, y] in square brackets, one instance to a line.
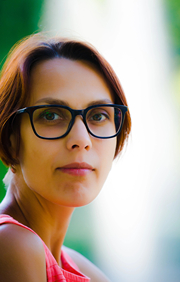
[76, 113]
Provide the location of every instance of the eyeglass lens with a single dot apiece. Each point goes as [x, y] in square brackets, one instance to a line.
[52, 122]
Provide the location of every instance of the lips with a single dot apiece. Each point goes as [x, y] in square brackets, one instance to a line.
[77, 169]
[78, 166]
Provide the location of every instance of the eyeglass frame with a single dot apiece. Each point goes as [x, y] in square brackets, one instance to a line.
[74, 113]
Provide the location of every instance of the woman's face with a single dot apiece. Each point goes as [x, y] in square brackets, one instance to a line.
[68, 171]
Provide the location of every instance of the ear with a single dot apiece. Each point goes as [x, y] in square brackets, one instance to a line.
[13, 145]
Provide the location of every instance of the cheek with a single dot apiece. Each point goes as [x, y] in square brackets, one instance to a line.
[109, 150]
[106, 154]
[35, 162]
[32, 149]
[35, 153]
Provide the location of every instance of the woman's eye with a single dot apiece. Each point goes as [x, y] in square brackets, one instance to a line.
[98, 116]
[50, 116]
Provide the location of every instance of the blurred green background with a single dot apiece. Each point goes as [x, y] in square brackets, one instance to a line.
[172, 8]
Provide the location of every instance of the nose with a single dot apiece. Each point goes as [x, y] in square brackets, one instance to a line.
[79, 138]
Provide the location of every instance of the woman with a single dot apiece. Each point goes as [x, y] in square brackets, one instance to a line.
[63, 119]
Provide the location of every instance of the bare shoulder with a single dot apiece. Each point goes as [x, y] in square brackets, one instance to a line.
[22, 255]
[86, 266]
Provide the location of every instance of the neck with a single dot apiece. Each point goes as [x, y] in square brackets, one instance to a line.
[48, 220]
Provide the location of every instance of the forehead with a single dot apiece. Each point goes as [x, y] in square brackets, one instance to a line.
[75, 82]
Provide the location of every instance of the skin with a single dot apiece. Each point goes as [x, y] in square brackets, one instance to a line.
[42, 195]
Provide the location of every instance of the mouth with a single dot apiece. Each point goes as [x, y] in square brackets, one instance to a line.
[77, 169]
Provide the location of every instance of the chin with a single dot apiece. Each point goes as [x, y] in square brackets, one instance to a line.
[80, 200]
[79, 194]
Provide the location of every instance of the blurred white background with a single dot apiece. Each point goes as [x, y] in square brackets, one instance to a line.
[133, 225]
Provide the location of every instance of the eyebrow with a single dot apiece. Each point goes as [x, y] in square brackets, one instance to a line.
[52, 101]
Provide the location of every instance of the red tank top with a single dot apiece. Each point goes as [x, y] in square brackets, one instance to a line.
[69, 271]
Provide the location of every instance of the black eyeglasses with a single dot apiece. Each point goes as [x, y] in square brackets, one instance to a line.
[55, 121]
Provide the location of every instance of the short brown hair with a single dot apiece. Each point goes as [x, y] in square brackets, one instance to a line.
[15, 81]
